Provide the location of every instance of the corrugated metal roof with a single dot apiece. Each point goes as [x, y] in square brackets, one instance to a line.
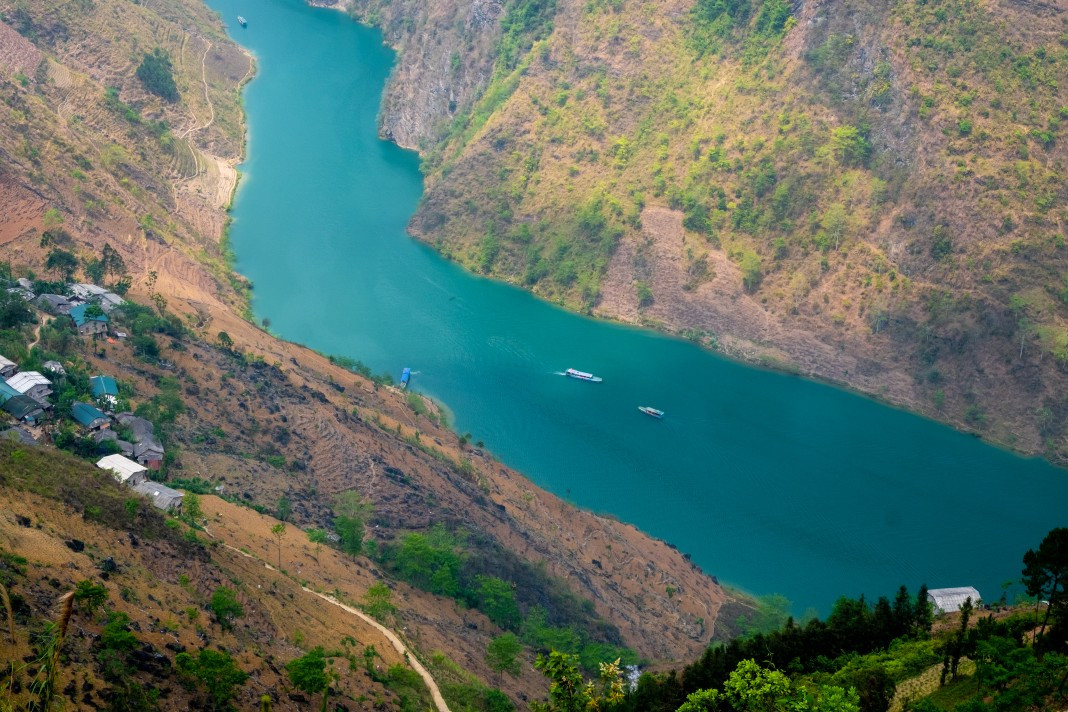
[78, 315]
[948, 600]
[124, 468]
[85, 413]
[103, 386]
[162, 496]
[21, 406]
[26, 380]
[7, 363]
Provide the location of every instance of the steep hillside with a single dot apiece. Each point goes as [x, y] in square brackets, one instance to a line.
[870, 193]
[106, 181]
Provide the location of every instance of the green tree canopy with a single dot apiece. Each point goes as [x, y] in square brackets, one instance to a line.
[502, 655]
[1045, 574]
[225, 606]
[215, 672]
[157, 75]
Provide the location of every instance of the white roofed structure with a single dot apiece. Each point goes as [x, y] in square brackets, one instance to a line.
[7, 367]
[32, 384]
[125, 470]
[949, 600]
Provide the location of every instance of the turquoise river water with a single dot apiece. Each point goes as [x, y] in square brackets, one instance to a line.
[772, 483]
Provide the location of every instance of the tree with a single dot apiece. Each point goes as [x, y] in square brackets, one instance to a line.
[225, 606]
[13, 310]
[308, 673]
[225, 341]
[848, 145]
[377, 601]
[497, 600]
[90, 595]
[570, 692]
[285, 508]
[191, 510]
[350, 509]
[279, 531]
[502, 655]
[112, 261]
[157, 75]
[752, 270]
[216, 672]
[62, 262]
[317, 537]
[1045, 573]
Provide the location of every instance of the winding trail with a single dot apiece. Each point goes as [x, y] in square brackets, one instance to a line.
[398, 645]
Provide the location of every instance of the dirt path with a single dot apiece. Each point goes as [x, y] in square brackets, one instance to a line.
[439, 701]
[207, 98]
[36, 336]
[399, 646]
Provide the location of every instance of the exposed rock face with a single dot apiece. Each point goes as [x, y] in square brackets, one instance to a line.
[445, 59]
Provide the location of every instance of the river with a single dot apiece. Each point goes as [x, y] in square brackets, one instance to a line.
[770, 482]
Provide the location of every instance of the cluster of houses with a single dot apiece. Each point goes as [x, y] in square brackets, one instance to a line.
[135, 476]
[87, 305]
[24, 395]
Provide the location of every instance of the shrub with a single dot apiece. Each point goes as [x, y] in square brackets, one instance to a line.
[157, 75]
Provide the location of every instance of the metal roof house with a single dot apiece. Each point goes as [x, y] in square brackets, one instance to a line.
[949, 600]
[32, 384]
[7, 367]
[54, 367]
[124, 469]
[104, 389]
[148, 450]
[24, 408]
[96, 324]
[162, 496]
[7, 392]
[55, 303]
[89, 416]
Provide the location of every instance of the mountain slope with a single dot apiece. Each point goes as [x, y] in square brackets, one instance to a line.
[93, 160]
[869, 193]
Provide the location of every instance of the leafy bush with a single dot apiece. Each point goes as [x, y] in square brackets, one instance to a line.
[157, 75]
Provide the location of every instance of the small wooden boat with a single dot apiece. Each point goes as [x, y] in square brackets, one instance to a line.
[242, 21]
[650, 411]
[582, 375]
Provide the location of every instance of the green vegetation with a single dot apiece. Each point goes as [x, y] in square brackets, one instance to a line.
[441, 562]
[215, 672]
[157, 75]
[856, 659]
[225, 606]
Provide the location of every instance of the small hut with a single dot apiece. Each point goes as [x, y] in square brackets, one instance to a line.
[162, 496]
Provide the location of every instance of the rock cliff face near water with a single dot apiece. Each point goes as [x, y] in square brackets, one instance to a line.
[869, 193]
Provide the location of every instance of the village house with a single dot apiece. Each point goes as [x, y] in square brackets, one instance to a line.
[89, 416]
[162, 496]
[18, 435]
[109, 435]
[54, 367]
[55, 303]
[7, 367]
[148, 450]
[949, 600]
[89, 324]
[105, 390]
[97, 295]
[32, 384]
[24, 408]
[125, 470]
